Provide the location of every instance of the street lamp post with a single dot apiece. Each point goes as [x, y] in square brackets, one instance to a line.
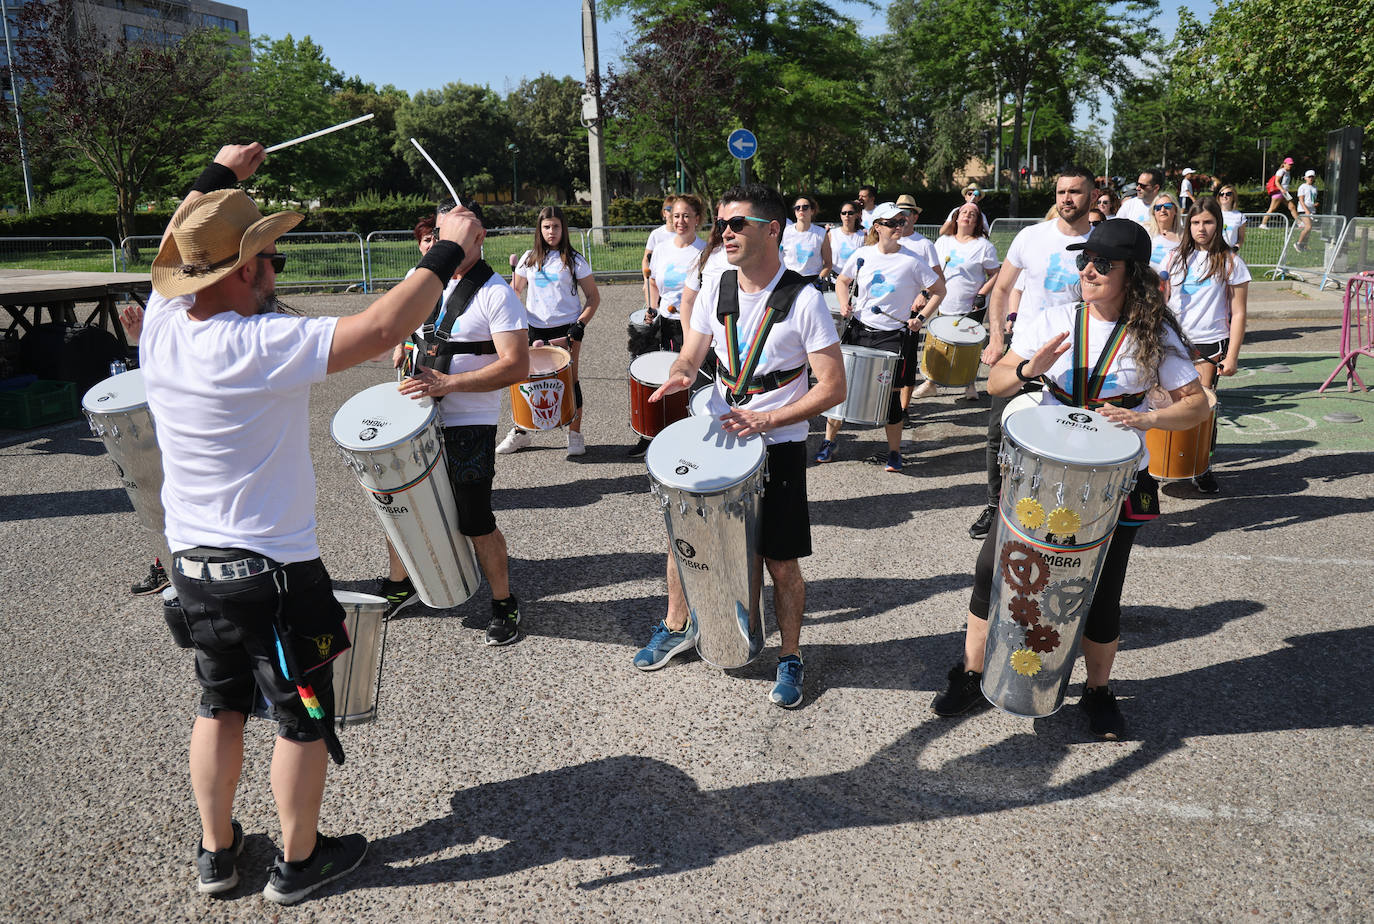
[514, 172]
[18, 114]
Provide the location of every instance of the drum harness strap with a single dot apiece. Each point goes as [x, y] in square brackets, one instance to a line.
[438, 345]
[1087, 387]
[740, 382]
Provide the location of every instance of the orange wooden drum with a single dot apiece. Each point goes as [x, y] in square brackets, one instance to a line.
[1176, 455]
[545, 399]
[647, 375]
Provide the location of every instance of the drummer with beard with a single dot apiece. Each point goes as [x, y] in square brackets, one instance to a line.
[751, 222]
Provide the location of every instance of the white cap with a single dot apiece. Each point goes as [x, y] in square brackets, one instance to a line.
[1188, 170]
[886, 210]
[1310, 173]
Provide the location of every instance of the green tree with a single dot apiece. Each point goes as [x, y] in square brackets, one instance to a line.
[465, 128]
[546, 115]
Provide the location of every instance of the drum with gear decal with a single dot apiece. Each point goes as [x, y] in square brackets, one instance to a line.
[1065, 473]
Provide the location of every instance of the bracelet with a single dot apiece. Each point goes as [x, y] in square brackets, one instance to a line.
[216, 176]
[443, 260]
[1020, 371]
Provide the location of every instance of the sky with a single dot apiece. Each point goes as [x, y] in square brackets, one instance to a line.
[423, 45]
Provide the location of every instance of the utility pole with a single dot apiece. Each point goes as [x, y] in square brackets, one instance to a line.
[591, 118]
[18, 115]
[997, 168]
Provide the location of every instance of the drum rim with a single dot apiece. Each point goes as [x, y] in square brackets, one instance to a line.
[948, 320]
[129, 375]
[351, 445]
[707, 424]
[629, 370]
[1055, 455]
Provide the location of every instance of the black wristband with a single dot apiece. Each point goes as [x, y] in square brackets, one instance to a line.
[980, 301]
[443, 260]
[1020, 374]
[213, 177]
[576, 331]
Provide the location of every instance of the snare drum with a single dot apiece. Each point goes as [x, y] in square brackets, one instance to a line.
[1176, 455]
[545, 400]
[395, 446]
[647, 375]
[954, 346]
[1065, 473]
[699, 405]
[868, 375]
[117, 411]
[708, 483]
[643, 333]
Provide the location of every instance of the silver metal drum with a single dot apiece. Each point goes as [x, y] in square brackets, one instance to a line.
[868, 375]
[117, 410]
[708, 483]
[395, 446]
[832, 303]
[699, 405]
[358, 671]
[1065, 473]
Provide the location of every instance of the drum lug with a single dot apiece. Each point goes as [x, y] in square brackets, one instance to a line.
[682, 507]
[1087, 492]
[377, 467]
[1035, 482]
[1015, 473]
[1059, 494]
[702, 510]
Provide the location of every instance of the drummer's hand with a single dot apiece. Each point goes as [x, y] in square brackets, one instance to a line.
[243, 159]
[131, 317]
[539, 343]
[426, 383]
[915, 324]
[398, 356]
[1121, 415]
[846, 311]
[992, 354]
[1228, 366]
[743, 422]
[675, 384]
[461, 226]
[1044, 357]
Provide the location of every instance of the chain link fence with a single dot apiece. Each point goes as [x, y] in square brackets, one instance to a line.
[68, 254]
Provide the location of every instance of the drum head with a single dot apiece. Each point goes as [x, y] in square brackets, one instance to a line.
[653, 368]
[832, 301]
[1072, 435]
[353, 598]
[116, 394]
[700, 402]
[547, 360]
[380, 417]
[957, 329]
[699, 456]
[640, 317]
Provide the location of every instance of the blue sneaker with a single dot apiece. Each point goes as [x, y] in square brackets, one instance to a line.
[894, 461]
[664, 645]
[787, 692]
[827, 451]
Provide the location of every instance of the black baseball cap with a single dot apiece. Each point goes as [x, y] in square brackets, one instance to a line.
[1118, 239]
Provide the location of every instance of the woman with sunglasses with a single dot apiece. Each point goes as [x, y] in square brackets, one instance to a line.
[1165, 227]
[805, 246]
[845, 239]
[1120, 294]
[672, 262]
[1232, 219]
[1108, 202]
[890, 281]
[1209, 294]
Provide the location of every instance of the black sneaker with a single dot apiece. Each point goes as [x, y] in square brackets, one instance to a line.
[477, 620]
[1104, 718]
[154, 582]
[965, 693]
[218, 872]
[638, 449]
[981, 526]
[288, 883]
[1206, 483]
[399, 595]
[504, 625]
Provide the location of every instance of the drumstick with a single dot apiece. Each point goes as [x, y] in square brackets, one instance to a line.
[457, 203]
[323, 131]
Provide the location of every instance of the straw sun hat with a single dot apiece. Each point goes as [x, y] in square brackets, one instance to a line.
[214, 236]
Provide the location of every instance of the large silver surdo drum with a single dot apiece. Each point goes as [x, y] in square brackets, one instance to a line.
[117, 411]
[868, 377]
[395, 446]
[708, 483]
[1065, 473]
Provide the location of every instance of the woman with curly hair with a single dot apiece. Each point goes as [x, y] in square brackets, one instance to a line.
[1121, 304]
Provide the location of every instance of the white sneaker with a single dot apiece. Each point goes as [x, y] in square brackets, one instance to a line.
[515, 441]
[924, 390]
[577, 446]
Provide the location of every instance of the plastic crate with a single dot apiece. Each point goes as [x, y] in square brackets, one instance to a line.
[38, 404]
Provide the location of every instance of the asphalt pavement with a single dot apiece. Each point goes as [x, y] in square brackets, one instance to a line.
[550, 780]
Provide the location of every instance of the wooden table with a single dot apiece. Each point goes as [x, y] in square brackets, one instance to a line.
[22, 290]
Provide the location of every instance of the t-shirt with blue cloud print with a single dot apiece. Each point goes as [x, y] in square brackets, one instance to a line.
[1202, 304]
[888, 285]
[801, 250]
[551, 299]
[1047, 267]
[671, 265]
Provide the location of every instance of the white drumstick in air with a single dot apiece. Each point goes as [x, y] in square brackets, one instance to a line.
[323, 131]
[457, 203]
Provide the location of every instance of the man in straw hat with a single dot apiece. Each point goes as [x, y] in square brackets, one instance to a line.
[228, 382]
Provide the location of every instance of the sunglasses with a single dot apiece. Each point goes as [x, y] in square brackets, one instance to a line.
[801, 208]
[278, 260]
[737, 224]
[1101, 264]
[850, 212]
[1163, 208]
[1229, 195]
[891, 222]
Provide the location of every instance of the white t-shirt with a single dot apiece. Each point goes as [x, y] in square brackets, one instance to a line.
[888, 285]
[231, 397]
[658, 236]
[1048, 269]
[1185, 188]
[671, 266]
[866, 218]
[1201, 304]
[551, 299]
[494, 309]
[921, 248]
[1123, 376]
[1135, 209]
[842, 245]
[1284, 178]
[715, 265]
[1231, 223]
[1307, 199]
[801, 250]
[966, 266]
[1161, 248]
[807, 329]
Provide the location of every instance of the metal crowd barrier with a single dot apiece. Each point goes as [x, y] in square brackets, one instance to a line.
[313, 259]
[1353, 253]
[1263, 247]
[1310, 260]
[69, 254]
[615, 250]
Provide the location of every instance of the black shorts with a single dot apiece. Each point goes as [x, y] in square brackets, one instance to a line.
[893, 341]
[548, 333]
[911, 360]
[470, 452]
[1213, 351]
[784, 521]
[231, 625]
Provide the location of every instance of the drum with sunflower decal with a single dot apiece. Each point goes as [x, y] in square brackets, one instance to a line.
[1065, 473]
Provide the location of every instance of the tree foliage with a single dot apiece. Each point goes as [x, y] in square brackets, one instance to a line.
[546, 117]
[465, 128]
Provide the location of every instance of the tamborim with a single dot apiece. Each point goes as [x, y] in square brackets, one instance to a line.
[868, 375]
[1065, 472]
[954, 345]
[545, 399]
[395, 446]
[1176, 455]
[647, 375]
[708, 483]
[117, 411]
